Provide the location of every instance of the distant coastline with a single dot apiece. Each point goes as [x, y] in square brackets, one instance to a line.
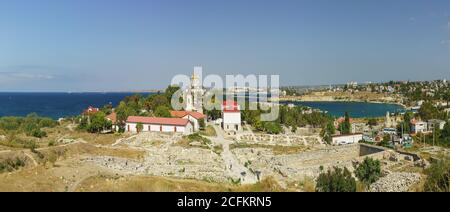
[339, 100]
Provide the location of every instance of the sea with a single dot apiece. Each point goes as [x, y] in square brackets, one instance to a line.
[355, 109]
[56, 105]
[59, 105]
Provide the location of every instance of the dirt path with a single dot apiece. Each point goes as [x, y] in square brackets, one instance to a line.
[31, 158]
[234, 168]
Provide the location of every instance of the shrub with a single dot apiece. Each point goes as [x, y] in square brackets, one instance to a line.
[337, 180]
[38, 133]
[438, 179]
[369, 171]
[10, 165]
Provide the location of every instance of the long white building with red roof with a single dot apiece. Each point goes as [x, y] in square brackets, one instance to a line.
[158, 124]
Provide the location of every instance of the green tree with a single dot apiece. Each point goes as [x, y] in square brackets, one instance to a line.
[201, 124]
[446, 97]
[328, 131]
[99, 123]
[369, 171]
[170, 90]
[386, 141]
[372, 122]
[346, 126]
[271, 127]
[405, 125]
[428, 111]
[446, 131]
[213, 114]
[84, 123]
[38, 133]
[337, 180]
[123, 111]
[162, 111]
[156, 101]
[139, 127]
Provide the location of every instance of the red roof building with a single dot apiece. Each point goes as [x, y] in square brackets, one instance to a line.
[230, 106]
[158, 120]
[91, 110]
[182, 114]
[112, 117]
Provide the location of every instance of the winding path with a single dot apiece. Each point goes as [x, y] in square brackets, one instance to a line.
[234, 168]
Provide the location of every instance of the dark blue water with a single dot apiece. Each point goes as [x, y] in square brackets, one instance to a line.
[55, 105]
[355, 109]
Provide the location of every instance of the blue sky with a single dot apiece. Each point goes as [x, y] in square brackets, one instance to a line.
[110, 45]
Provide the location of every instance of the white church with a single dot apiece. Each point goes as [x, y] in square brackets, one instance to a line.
[193, 95]
[193, 100]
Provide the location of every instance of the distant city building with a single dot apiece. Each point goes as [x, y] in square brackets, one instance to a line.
[352, 84]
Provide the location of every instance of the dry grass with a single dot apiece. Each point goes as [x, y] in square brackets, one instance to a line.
[209, 131]
[145, 184]
[82, 148]
[53, 135]
[276, 149]
[308, 185]
[163, 184]
[96, 139]
[419, 187]
[33, 179]
[286, 150]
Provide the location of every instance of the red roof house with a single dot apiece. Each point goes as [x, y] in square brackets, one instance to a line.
[158, 120]
[112, 117]
[182, 114]
[91, 110]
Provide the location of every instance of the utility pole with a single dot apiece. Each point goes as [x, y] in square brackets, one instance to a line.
[434, 135]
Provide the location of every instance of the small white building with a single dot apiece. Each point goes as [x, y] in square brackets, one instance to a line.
[346, 139]
[435, 124]
[231, 116]
[418, 126]
[194, 117]
[157, 124]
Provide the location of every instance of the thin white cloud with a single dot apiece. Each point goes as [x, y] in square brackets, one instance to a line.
[446, 43]
[26, 72]
[24, 76]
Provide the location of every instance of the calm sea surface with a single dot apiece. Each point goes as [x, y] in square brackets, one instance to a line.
[355, 109]
[55, 105]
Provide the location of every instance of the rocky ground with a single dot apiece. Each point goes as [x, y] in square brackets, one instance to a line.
[163, 158]
[219, 159]
[395, 182]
